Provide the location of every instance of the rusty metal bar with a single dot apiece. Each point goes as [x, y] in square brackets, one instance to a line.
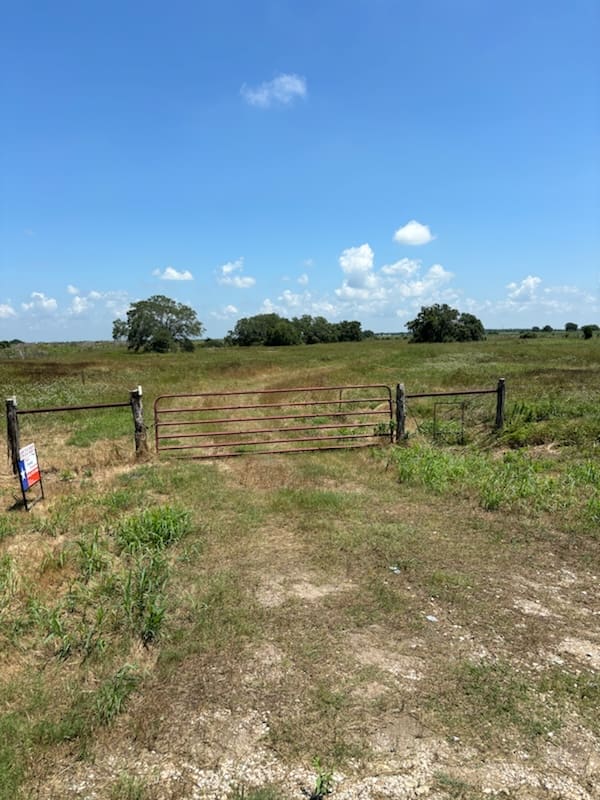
[267, 430]
[337, 402]
[279, 452]
[451, 394]
[274, 441]
[224, 420]
[72, 408]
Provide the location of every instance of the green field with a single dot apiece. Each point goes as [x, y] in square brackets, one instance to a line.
[412, 620]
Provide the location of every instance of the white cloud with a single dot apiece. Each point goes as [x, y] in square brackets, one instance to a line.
[171, 274]
[524, 289]
[303, 279]
[357, 260]
[7, 311]
[435, 277]
[228, 278]
[405, 266]
[39, 302]
[368, 291]
[269, 307]
[225, 313]
[413, 233]
[72, 289]
[79, 305]
[282, 90]
[239, 282]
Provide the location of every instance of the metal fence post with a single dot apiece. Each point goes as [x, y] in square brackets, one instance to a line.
[500, 403]
[141, 443]
[12, 433]
[400, 412]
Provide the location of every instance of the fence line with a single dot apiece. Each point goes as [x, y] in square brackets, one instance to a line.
[13, 413]
[162, 436]
[402, 396]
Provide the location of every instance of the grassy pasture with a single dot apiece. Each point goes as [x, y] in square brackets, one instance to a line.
[419, 620]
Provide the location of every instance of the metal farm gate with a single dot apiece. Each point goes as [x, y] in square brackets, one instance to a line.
[223, 424]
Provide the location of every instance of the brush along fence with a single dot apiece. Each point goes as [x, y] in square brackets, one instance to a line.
[13, 413]
[224, 424]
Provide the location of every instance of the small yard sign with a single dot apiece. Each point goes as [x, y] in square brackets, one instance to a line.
[29, 474]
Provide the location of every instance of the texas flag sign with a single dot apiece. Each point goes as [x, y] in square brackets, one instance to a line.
[29, 470]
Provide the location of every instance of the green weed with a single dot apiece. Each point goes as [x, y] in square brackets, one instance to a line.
[93, 555]
[112, 695]
[323, 782]
[12, 757]
[143, 595]
[153, 529]
[128, 787]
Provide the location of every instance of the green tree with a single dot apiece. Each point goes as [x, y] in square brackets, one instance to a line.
[120, 330]
[314, 330]
[159, 325]
[348, 331]
[249, 331]
[440, 323]
[571, 326]
[588, 331]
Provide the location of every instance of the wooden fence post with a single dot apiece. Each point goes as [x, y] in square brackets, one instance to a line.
[12, 433]
[400, 412]
[500, 402]
[141, 443]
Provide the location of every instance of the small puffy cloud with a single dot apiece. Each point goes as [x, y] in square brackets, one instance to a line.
[7, 311]
[525, 289]
[405, 267]
[413, 233]
[39, 302]
[435, 277]
[225, 313]
[268, 307]
[171, 274]
[72, 289]
[232, 266]
[79, 304]
[357, 260]
[303, 279]
[281, 91]
[229, 276]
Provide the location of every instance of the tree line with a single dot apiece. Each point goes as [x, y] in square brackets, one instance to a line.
[274, 331]
[160, 325]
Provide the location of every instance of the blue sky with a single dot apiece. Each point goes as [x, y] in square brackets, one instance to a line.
[353, 159]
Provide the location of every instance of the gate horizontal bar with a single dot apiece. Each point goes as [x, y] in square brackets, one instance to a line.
[281, 391]
[451, 394]
[72, 408]
[266, 430]
[275, 441]
[278, 452]
[225, 420]
[337, 402]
